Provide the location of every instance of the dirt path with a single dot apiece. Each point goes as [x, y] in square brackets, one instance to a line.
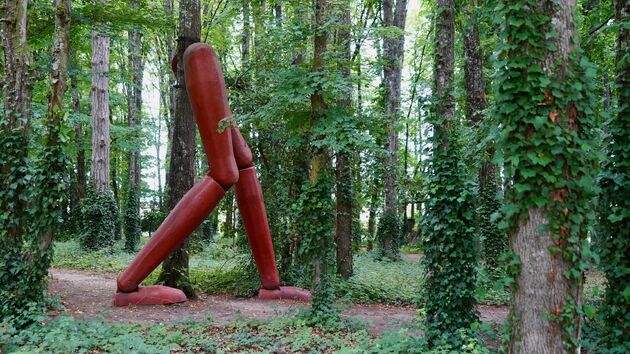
[88, 294]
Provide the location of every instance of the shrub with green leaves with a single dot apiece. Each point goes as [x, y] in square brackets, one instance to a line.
[100, 220]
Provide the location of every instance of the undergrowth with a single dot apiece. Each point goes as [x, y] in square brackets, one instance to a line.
[64, 334]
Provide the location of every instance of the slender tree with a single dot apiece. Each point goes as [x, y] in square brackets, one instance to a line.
[100, 109]
[494, 240]
[182, 161]
[134, 108]
[316, 203]
[448, 241]
[394, 17]
[344, 194]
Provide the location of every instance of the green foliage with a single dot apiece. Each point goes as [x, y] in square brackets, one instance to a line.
[100, 220]
[288, 335]
[547, 139]
[388, 233]
[448, 243]
[131, 221]
[384, 282]
[30, 197]
[495, 240]
[151, 220]
[316, 220]
[614, 221]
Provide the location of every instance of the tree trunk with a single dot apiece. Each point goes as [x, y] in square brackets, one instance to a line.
[134, 102]
[58, 76]
[134, 109]
[170, 124]
[100, 109]
[81, 178]
[228, 230]
[495, 240]
[372, 214]
[319, 159]
[246, 36]
[394, 15]
[182, 165]
[17, 97]
[542, 287]
[343, 229]
[614, 235]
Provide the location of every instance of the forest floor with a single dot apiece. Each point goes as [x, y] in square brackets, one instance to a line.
[85, 294]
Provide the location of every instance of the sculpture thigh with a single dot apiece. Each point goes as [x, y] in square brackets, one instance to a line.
[230, 162]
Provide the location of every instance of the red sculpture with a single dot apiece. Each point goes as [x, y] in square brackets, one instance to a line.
[231, 164]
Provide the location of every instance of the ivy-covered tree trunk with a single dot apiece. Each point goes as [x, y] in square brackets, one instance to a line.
[22, 283]
[55, 159]
[344, 192]
[448, 239]
[394, 16]
[494, 240]
[134, 108]
[317, 219]
[615, 219]
[545, 108]
[182, 166]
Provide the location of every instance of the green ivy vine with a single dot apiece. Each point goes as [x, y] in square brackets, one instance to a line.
[450, 255]
[547, 124]
[131, 220]
[100, 220]
[614, 221]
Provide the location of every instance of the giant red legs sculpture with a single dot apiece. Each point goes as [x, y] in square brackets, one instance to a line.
[231, 164]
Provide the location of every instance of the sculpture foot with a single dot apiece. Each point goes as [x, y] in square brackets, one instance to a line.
[285, 293]
[150, 295]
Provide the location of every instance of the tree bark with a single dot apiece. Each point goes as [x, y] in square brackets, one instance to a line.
[542, 289]
[394, 15]
[246, 36]
[168, 9]
[319, 159]
[100, 109]
[58, 76]
[17, 98]
[444, 69]
[182, 165]
[81, 178]
[134, 102]
[475, 106]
